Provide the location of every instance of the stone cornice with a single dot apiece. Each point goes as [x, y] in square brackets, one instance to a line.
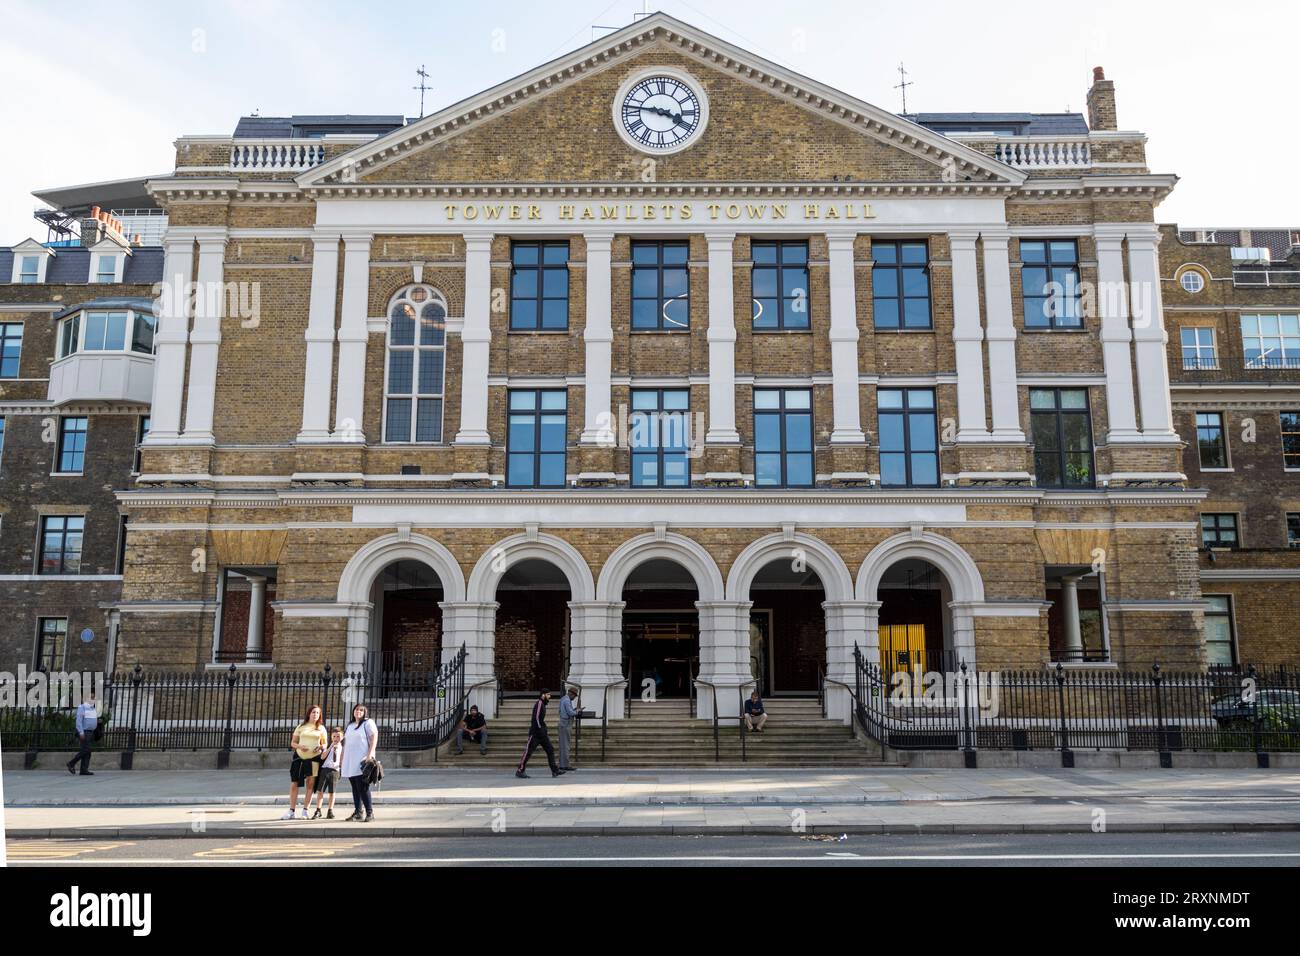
[690, 190]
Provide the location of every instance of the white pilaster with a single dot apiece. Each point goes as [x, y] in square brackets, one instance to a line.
[1001, 335]
[256, 610]
[844, 343]
[846, 625]
[598, 422]
[171, 340]
[353, 337]
[473, 624]
[476, 340]
[320, 340]
[1150, 340]
[1112, 302]
[967, 334]
[722, 341]
[596, 654]
[205, 339]
[724, 655]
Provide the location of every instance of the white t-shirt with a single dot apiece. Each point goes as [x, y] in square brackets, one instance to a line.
[356, 746]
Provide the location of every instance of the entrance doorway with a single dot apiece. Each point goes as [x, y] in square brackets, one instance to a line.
[787, 629]
[661, 629]
[915, 624]
[407, 635]
[532, 632]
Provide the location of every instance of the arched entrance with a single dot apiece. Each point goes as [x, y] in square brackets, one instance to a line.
[406, 620]
[532, 626]
[915, 619]
[787, 628]
[661, 628]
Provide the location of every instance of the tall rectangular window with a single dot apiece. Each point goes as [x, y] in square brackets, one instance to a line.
[141, 433]
[783, 437]
[415, 376]
[909, 437]
[2, 441]
[900, 284]
[1219, 531]
[1198, 348]
[539, 285]
[1220, 645]
[1049, 279]
[537, 438]
[780, 278]
[1271, 341]
[1061, 426]
[61, 544]
[72, 445]
[659, 438]
[106, 270]
[1291, 439]
[1211, 440]
[30, 271]
[51, 643]
[661, 285]
[1292, 530]
[11, 348]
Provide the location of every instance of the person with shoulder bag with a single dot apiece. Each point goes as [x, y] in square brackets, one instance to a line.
[308, 745]
[360, 740]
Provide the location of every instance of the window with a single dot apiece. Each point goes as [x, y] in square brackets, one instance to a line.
[1291, 439]
[1192, 281]
[780, 285]
[1198, 348]
[1293, 530]
[121, 544]
[1220, 646]
[537, 438]
[1271, 341]
[909, 444]
[51, 643]
[660, 433]
[1219, 531]
[2, 440]
[417, 340]
[783, 445]
[107, 332]
[1211, 440]
[900, 285]
[142, 337]
[61, 544]
[72, 445]
[1062, 433]
[11, 348]
[107, 270]
[660, 286]
[1049, 278]
[29, 272]
[142, 432]
[539, 285]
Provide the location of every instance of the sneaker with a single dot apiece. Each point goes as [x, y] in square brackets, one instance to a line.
[316, 815]
[556, 773]
[521, 775]
[352, 819]
[304, 813]
[288, 814]
[329, 814]
[369, 817]
[72, 769]
[87, 773]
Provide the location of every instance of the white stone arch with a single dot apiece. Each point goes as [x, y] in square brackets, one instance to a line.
[371, 558]
[945, 554]
[631, 554]
[499, 557]
[821, 557]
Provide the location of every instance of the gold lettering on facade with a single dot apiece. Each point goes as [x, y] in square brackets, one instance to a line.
[566, 212]
[810, 210]
[535, 212]
[608, 212]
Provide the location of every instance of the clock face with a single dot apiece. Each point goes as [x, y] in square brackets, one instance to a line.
[660, 113]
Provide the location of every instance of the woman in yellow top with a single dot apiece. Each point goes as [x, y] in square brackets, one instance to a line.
[309, 743]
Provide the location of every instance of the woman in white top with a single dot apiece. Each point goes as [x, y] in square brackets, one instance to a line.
[359, 742]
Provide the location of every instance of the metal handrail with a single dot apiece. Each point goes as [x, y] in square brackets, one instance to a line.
[740, 717]
[604, 716]
[717, 747]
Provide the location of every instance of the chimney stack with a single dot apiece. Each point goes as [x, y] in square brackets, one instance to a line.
[1101, 102]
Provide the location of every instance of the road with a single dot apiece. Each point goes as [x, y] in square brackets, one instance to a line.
[1058, 850]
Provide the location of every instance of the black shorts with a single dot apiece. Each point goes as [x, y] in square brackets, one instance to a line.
[300, 771]
[325, 779]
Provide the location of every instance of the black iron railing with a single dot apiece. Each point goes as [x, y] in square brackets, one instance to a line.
[1069, 710]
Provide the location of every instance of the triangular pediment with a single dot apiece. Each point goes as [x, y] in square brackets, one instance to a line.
[556, 124]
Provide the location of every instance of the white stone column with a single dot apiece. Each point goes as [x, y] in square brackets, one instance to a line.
[353, 336]
[359, 616]
[320, 340]
[967, 334]
[1112, 302]
[599, 338]
[722, 341]
[844, 343]
[205, 339]
[256, 609]
[963, 634]
[476, 340]
[473, 624]
[1070, 617]
[596, 654]
[724, 655]
[1150, 341]
[1001, 335]
[171, 340]
[846, 625]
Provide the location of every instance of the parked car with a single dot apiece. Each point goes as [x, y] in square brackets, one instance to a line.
[1283, 704]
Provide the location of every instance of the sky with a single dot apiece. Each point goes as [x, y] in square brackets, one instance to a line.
[100, 91]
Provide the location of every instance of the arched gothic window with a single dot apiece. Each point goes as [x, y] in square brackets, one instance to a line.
[416, 365]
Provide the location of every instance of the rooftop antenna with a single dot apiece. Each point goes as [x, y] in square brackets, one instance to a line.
[903, 85]
[422, 87]
[645, 11]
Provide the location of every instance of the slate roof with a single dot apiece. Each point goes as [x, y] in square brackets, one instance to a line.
[71, 266]
[304, 127]
[1011, 124]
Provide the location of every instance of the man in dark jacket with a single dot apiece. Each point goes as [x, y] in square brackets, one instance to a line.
[537, 736]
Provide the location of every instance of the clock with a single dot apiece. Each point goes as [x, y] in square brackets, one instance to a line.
[660, 111]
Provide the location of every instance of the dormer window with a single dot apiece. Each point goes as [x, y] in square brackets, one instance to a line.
[29, 270]
[30, 259]
[115, 330]
[106, 269]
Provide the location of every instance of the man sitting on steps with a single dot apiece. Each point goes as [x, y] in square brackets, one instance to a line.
[473, 726]
[755, 715]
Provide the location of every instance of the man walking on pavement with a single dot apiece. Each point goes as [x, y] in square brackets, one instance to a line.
[537, 736]
[87, 721]
[569, 707]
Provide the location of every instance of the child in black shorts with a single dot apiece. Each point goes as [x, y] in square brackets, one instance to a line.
[329, 772]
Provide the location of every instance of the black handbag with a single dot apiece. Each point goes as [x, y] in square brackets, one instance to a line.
[372, 771]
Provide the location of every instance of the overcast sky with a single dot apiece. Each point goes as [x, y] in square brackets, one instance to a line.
[98, 91]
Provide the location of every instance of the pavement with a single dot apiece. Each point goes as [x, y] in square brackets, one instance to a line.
[423, 803]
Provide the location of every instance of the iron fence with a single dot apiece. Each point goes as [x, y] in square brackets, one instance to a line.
[1062, 709]
[235, 709]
